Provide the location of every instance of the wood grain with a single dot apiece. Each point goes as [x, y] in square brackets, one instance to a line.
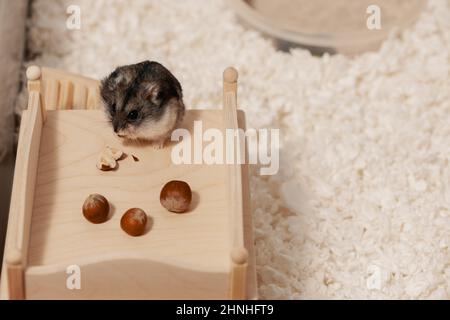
[71, 144]
[127, 278]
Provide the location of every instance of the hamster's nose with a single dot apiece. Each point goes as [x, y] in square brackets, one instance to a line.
[115, 126]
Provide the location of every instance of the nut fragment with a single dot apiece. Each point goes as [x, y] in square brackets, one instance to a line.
[96, 208]
[176, 196]
[108, 158]
[106, 162]
[134, 222]
[114, 152]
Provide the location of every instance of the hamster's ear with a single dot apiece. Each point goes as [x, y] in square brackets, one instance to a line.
[119, 78]
[152, 93]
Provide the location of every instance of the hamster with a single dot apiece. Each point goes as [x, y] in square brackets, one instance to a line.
[143, 101]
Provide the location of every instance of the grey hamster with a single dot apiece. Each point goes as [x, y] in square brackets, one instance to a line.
[143, 101]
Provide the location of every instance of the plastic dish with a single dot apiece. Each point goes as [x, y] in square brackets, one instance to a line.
[329, 25]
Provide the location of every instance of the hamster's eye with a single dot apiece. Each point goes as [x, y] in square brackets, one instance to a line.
[132, 115]
[113, 109]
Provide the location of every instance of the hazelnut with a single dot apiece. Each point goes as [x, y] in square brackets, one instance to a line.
[96, 208]
[134, 222]
[176, 196]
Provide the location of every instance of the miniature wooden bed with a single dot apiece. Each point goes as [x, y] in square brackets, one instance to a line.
[204, 254]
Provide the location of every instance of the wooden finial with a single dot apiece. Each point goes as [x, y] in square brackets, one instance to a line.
[14, 257]
[239, 255]
[230, 75]
[33, 73]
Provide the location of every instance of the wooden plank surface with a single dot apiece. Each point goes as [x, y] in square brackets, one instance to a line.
[60, 236]
[67, 174]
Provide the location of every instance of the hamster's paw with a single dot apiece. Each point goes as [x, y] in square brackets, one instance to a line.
[160, 144]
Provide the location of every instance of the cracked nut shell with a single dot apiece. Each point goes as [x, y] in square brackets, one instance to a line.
[106, 162]
[114, 152]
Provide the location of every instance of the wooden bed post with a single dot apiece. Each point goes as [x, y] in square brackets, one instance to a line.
[19, 224]
[16, 274]
[34, 75]
[239, 259]
[230, 77]
[238, 255]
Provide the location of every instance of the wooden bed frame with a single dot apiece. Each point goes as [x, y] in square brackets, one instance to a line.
[33, 262]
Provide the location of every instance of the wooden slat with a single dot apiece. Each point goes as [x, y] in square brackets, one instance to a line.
[51, 94]
[79, 96]
[65, 100]
[93, 98]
